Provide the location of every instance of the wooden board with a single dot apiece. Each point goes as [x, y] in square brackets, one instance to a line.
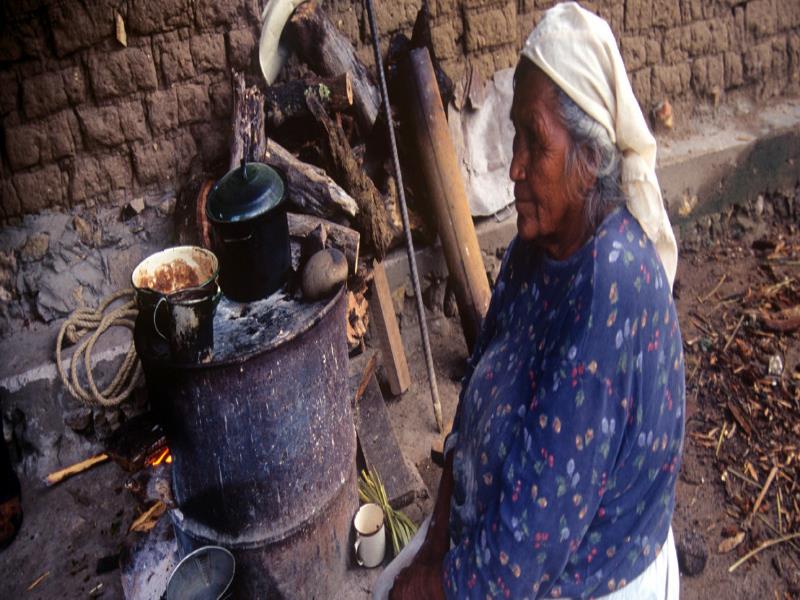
[380, 447]
[393, 355]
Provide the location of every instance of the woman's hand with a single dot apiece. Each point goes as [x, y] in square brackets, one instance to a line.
[419, 581]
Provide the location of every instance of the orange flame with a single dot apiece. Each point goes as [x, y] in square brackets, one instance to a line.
[163, 456]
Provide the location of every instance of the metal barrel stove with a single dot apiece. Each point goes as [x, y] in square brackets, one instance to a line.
[264, 445]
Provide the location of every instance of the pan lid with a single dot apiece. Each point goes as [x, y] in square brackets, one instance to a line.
[246, 192]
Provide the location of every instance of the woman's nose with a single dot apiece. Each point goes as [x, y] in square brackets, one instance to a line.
[517, 170]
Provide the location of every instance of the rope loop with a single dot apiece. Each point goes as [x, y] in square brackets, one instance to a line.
[84, 327]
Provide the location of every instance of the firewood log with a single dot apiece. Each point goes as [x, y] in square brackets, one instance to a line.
[328, 52]
[288, 101]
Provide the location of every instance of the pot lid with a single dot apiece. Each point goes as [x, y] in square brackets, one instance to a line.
[247, 191]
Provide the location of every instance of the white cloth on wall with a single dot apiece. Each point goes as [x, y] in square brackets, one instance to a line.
[577, 50]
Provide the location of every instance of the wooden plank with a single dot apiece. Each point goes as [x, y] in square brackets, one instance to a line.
[391, 344]
[380, 447]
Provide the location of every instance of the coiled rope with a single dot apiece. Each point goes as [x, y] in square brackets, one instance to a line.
[86, 325]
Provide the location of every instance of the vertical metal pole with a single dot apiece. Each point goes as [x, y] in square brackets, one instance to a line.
[412, 262]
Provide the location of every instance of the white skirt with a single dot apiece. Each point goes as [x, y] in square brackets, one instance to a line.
[659, 581]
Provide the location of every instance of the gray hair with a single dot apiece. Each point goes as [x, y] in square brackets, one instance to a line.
[592, 154]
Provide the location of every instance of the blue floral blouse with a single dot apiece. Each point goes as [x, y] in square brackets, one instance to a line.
[569, 430]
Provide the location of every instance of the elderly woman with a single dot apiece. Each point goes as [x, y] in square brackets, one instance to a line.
[560, 471]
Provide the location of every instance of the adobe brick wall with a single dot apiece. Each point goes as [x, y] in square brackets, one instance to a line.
[87, 121]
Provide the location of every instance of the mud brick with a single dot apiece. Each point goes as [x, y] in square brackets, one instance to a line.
[757, 61]
[75, 24]
[241, 44]
[154, 162]
[641, 84]
[221, 99]
[210, 13]
[734, 71]
[43, 95]
[74, 84]
[761, 17]
[116, 168]
[653, 50]
[708, 72]
[23, 145]
[638, 14]
[101, 126]
[132, 121]
[212, 142]
[155, 16]
[395, 15]
[208, 52]
[162, 110]
[185, 151]
[9, 200]
[676, 42]
[490, 28]
[10, 46]
[670, 81]
[60, 136]
[445, 38]
[666, 13]
[176, 62]
[634, 52]
[691, 10]
[9, 92]
[121, 73]
[193, 103]
[39, 189]
[87, 180]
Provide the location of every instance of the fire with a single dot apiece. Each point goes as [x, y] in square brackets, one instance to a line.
[162, 456]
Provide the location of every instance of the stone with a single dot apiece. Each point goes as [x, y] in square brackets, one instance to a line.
[156, 16]
[78, 419]
[193, 103]
[35, 247]
[84, 230]
[692, 553]
[122, 72]
[132, 121]
[101, 126]
[324, 272]
[132, 208]
[154, 162]
[39, 189]
[43, 95]
[162, 110]
[208, 52]
[241, 46]
[176, 62]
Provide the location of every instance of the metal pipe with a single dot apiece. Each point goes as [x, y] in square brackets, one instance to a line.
[412, 262]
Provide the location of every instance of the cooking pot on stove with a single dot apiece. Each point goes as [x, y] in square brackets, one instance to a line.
[250, 234]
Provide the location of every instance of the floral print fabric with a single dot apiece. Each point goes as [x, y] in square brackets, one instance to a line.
[569, 430]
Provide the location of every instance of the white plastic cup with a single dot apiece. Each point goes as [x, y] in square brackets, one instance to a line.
[370, 535]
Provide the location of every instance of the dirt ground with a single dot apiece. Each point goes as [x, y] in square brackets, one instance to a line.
[69, 530]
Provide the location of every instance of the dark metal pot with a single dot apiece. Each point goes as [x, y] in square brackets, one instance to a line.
[250, 234]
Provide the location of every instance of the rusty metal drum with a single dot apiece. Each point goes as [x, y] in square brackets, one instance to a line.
[264, 445]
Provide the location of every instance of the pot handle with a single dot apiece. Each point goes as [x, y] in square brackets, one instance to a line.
[246, 238]
[155, 314]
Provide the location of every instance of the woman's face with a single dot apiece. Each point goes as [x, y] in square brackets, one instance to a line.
[549, 202]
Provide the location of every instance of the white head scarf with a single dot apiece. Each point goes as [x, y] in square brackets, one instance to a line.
[577, 50]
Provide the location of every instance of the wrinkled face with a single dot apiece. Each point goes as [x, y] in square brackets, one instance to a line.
[549, 202]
